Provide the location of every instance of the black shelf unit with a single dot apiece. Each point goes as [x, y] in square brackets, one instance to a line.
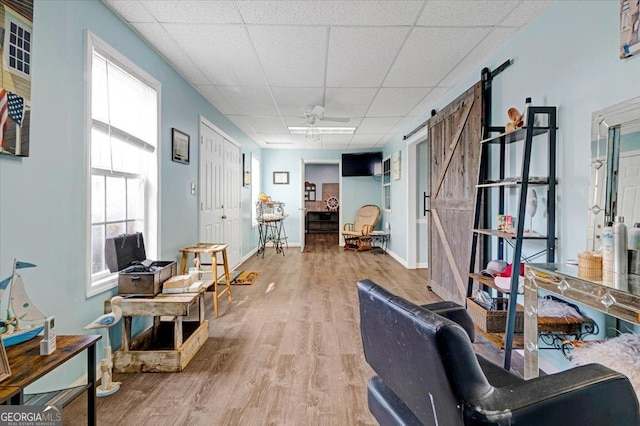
[487, 206]
[322, 222]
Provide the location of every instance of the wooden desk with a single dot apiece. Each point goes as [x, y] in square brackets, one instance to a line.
[152, 352]
[27, 366]
[211, 249]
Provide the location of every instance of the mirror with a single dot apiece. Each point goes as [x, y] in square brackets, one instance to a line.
[615, 168]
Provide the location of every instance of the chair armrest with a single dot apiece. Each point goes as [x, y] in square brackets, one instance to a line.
[348, 227]
[589, 394]
[366, 229]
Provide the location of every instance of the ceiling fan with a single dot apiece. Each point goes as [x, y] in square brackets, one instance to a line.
[316, 112]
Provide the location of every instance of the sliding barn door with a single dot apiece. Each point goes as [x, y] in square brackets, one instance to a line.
[454, 134]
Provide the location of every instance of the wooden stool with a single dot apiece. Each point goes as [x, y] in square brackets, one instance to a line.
[211, 249]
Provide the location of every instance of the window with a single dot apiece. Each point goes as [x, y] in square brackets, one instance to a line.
[255, 188]
[122, 118]
[17, 37]
[386, 184]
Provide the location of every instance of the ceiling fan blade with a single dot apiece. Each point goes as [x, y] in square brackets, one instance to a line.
[317, 110]
[338, 119]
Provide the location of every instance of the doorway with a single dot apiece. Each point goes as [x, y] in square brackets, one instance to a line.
[321, 196]
[220, 177]
[418, 200]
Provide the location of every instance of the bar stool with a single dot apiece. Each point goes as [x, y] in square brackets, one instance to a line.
[212, 249]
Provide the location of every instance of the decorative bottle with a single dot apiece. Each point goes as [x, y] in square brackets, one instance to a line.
[620, 246]
[607, 247]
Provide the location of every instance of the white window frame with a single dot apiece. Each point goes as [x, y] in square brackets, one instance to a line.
[152, 193]
[386, 183]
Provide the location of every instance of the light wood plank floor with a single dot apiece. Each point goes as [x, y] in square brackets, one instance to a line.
[286, 351]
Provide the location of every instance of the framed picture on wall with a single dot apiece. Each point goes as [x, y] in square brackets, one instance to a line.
[629, 28]
[180, 146]
[281, 178]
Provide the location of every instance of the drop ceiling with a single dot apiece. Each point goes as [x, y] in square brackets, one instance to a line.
[378, 63]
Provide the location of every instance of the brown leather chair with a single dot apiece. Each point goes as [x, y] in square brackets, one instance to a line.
[356, 234]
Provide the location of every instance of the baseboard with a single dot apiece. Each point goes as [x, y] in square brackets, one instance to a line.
[423, 265]
[248, 256]
[398, 259]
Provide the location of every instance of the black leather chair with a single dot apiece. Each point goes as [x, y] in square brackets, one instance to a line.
[428, 374]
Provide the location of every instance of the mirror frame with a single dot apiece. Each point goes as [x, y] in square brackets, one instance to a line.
[606, 132]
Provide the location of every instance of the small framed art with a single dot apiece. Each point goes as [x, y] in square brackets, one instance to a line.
[180, 146]
[281, 178]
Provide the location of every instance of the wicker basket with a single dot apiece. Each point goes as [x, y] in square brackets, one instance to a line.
[590, 265]
[494, 321]
[590, 260]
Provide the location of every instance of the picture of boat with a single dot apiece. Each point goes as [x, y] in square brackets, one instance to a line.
[24, 320]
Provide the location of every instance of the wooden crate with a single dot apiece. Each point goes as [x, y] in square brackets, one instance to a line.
[493, 321]
[157, 356]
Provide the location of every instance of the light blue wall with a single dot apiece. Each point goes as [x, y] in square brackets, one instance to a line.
[42, 198]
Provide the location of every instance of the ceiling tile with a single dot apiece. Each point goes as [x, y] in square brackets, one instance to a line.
[379, 125]
[336, 139]
[395, 102]
[525, 12]
[427, 102]
[194, 12]
[362, 56]
[213, 95]
[385, 140]
[131, 11]
[431, 53]
[404, 126]
[343, 102]
[292, 100]
[155, 33]
[267, 124]
[276, 138]
[208, 47]
[291, 56]
[475, 59]
[363, 12]
[249, 101]
[440, 13]
[365, 140]
[327, 145]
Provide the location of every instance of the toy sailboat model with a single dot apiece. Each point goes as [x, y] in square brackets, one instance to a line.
[24, 320]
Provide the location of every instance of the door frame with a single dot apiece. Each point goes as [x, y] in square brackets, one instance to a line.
[412, 203]
[303, 163]
[204, 122]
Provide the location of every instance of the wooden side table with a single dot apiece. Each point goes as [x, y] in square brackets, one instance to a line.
[212, 249]
[27, 366]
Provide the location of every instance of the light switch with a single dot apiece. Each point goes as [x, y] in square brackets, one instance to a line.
[193, 189]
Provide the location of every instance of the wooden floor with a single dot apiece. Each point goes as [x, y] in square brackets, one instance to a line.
[286, 351]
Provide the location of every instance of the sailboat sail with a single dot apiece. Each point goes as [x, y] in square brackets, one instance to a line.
[21, 305]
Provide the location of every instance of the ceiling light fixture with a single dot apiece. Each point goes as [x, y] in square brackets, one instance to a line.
[313, 134]
[322, 130]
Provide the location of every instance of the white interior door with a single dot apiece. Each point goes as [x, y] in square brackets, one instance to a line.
[231, 201]
[303, 209]
[220, 174]
[211, 161]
